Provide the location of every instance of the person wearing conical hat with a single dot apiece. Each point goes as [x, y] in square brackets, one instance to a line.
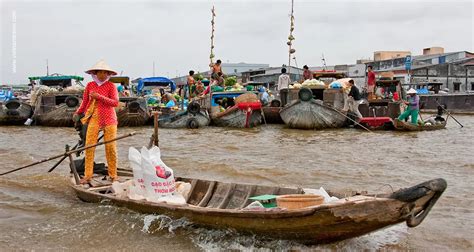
[413, 107]
[98, 103]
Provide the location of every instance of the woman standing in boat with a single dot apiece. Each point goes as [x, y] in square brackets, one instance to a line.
[413, 107]
[100, 99]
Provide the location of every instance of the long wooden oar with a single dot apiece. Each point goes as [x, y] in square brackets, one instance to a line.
[67, 153]
[362, 126]
[449, 114]
[62, 159]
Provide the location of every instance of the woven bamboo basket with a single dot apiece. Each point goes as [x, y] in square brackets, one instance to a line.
[297, 201]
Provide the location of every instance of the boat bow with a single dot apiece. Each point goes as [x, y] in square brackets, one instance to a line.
[431, 189]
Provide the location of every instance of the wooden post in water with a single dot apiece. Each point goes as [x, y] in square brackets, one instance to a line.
[73, 166]
[154, 141]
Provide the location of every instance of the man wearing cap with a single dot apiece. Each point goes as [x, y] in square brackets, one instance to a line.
[413, 107]
[98, 103]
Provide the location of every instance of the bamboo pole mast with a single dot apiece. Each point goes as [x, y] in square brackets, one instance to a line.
[211, 56]
[290, 37]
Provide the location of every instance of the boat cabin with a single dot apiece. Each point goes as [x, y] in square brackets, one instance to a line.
[146, 85]
[121, 80]
[328, 76]
[388, 99]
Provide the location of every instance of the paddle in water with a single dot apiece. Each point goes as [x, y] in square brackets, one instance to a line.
[67, 153]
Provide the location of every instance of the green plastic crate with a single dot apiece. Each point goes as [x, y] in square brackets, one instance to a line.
[267, 200]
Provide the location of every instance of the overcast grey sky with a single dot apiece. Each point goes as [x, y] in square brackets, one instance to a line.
[130, 35]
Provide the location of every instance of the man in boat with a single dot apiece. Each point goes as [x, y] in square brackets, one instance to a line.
[220, 79]
[98, 103]
[283, 83]
[199, 88]
[190, 83]
[307, 74]
[370, 83]
[263, 96]
[122, 91]
[437, 119]
[216, 68]
[169, 100]
[413, 107]
[353, 99]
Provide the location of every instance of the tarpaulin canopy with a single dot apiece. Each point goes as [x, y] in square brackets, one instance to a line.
[155, 82]
[56, 77]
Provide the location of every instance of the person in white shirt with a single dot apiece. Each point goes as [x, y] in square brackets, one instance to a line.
[283, 83]
[283, 80]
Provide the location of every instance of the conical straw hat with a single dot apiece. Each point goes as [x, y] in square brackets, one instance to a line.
[101, 65]
[411, 91]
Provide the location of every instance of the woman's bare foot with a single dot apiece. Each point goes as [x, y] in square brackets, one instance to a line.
[84, 181]
[113, 179]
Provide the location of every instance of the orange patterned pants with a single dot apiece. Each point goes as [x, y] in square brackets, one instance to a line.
[110, 132]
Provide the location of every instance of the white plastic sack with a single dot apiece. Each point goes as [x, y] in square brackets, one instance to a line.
[158, 178]
[175, 199]
[183, 188]
[320, 192]
[137, 190]
[121, 190]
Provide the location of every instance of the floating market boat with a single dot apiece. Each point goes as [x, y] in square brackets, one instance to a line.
[14, 112]
[406, 126]
[388, 104]
[56, 100]
[237, 109]
[222, 205]
[270, 111]
[308, 113]
[149, 88]
[132, 111]
[192, 118]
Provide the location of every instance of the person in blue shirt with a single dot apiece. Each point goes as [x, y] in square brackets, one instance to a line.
[169, 100]
[6, 95]
[264, 97]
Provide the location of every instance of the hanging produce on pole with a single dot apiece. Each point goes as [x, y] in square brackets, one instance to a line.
[291, 37]
[211, 56]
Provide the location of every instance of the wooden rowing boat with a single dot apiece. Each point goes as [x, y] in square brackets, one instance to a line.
[406, 126]
[242, 109]
[132, 111]
[312, 114]
[14, 112]
[272, 115]
[56, 109]
[221, 205]
[237, 118]
[194, 117]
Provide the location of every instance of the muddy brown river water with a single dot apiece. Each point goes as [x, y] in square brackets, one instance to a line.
[38, 211]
